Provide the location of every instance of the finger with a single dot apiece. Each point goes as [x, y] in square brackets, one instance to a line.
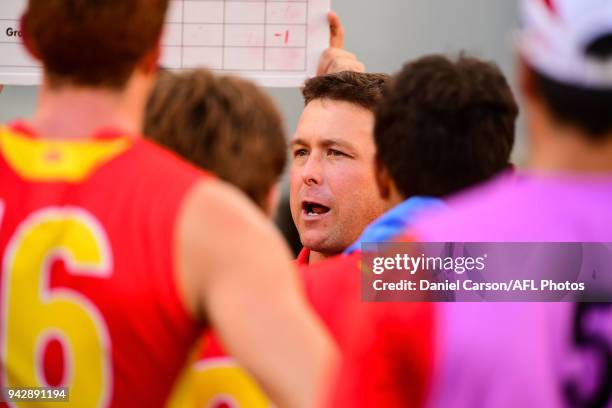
[336, 31]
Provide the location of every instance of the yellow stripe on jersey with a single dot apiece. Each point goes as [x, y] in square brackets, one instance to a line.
[57, 161]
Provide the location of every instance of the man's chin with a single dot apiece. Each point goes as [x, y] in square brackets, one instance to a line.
[320, 242]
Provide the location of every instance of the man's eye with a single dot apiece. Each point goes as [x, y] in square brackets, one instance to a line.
[300, 153]
[336, 153]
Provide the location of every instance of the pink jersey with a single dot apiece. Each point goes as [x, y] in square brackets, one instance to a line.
[501, 355]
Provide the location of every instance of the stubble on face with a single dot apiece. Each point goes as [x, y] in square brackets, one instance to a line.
[333, 188]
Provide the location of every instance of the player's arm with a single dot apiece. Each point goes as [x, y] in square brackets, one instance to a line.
[237, 273]
[336, 58]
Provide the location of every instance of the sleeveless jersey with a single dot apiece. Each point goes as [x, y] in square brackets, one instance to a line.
[88, 298]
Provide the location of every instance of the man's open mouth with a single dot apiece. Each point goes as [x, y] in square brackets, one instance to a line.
[314, 209]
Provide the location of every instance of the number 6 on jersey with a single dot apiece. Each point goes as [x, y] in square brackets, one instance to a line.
[33, 314]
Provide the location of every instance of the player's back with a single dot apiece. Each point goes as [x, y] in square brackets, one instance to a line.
[524, 354]
[88, 291]
[553, 355]
[527, 208]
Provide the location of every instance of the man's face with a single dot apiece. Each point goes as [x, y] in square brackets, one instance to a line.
[333, 189]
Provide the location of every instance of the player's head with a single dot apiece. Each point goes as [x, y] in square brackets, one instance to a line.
[565, 51]
[222, 124]
[444, 124]
[97, 44]
[333, 188]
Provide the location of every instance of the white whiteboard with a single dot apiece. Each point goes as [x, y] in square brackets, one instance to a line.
[274, 42]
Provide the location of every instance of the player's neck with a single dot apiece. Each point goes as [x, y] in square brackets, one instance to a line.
[395, 199]
[78, 112]
[569, 152]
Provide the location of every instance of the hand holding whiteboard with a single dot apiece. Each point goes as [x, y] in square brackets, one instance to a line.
[275, 43]
[336, 58]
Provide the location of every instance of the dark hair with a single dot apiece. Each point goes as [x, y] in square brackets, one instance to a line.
[589, 109]
[93, 43]
[363, 89]
[222, 124]
[445, 125]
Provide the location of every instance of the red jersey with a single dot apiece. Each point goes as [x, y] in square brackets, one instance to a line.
[303, 257]
[333, 290]
[87, 290]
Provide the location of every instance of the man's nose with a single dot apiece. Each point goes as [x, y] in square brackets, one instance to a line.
[312, 171]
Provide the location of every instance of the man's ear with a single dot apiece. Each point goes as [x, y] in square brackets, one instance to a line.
[27, 39]
[526, 80]
[150, 62]
[273, 201]
[383, 179]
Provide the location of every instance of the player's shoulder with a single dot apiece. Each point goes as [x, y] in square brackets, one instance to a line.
[215, 202]
[150, 158]
[218, 228]
[156, 181]
[216, 216]
[497, 209]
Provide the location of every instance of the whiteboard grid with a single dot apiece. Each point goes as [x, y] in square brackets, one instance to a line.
[232, 39]
[266, 40]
